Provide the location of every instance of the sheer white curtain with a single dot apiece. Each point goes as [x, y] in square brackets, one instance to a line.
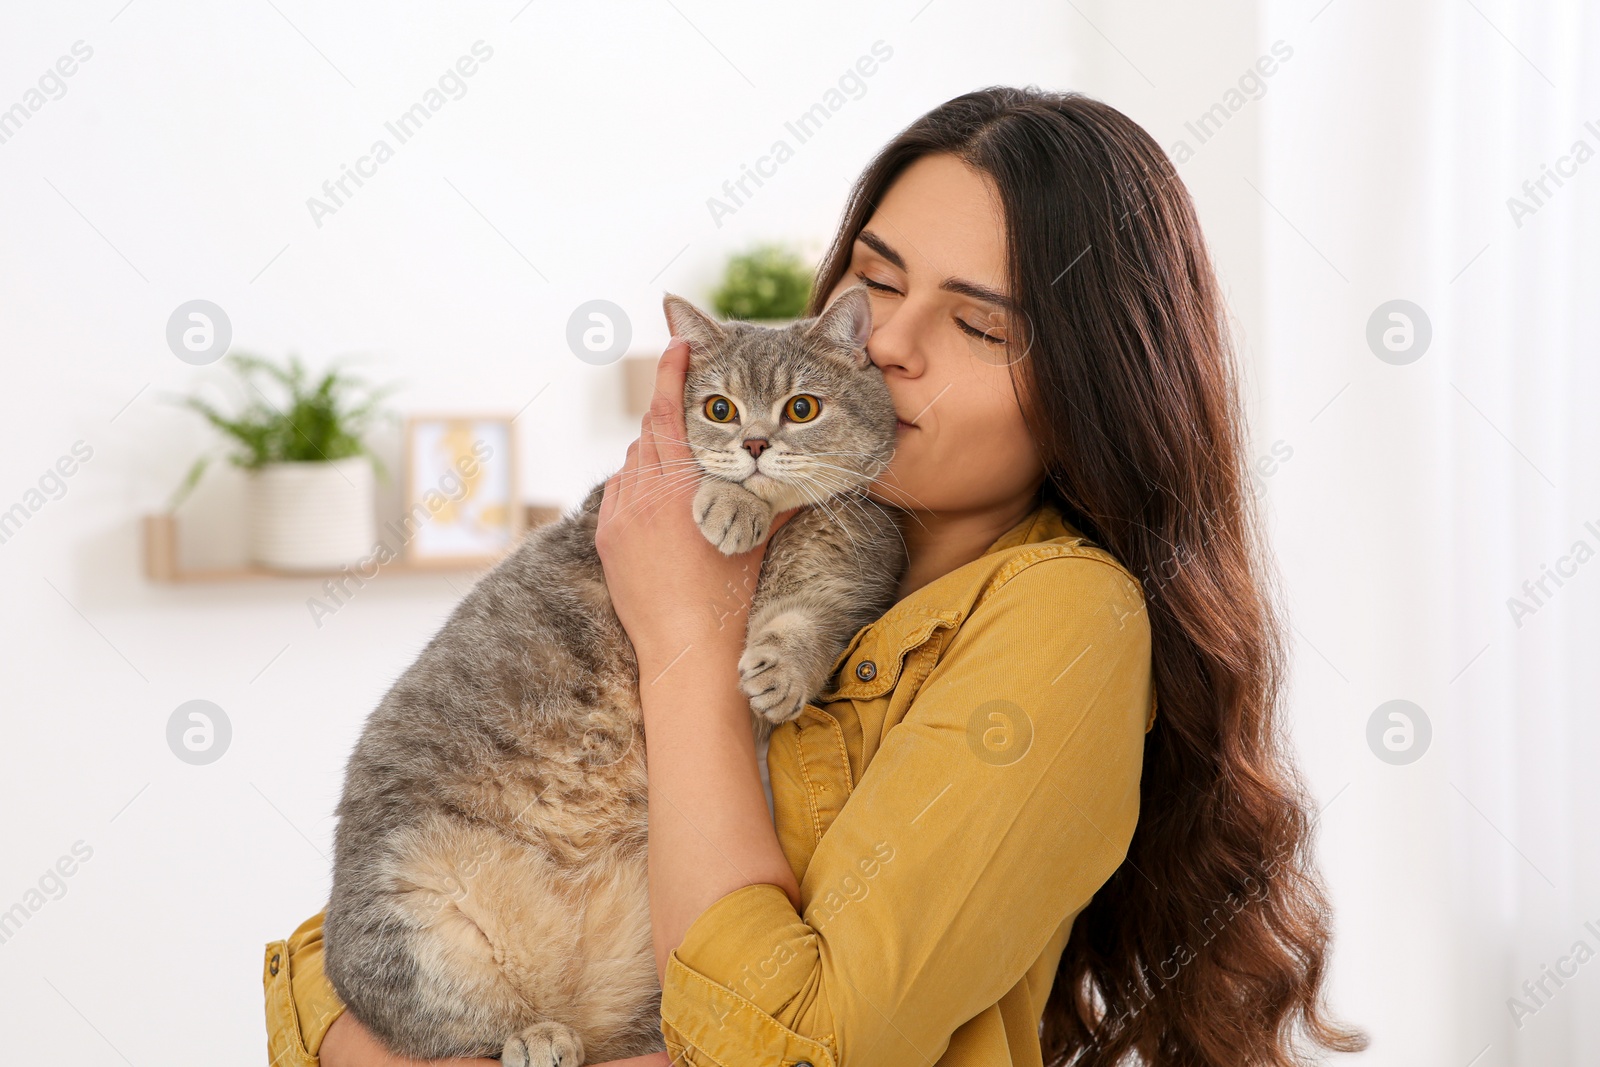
[1438, 523]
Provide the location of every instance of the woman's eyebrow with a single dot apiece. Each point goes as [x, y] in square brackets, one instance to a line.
[950, 285]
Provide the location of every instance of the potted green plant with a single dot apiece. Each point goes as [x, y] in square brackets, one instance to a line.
[311, 473]
[769, 283]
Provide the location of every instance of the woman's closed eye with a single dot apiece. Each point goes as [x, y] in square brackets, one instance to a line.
[870, 284]
[981, 334]
[968, 328]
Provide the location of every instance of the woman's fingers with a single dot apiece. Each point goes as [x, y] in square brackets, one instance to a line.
[659, 463]
[666, 403]
[618, 496]
[608, 511]
[648, 454]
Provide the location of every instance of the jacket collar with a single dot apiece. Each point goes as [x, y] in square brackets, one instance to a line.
[942, 603]
[1044, 523]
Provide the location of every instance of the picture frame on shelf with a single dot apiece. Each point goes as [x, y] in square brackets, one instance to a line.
[460, 499]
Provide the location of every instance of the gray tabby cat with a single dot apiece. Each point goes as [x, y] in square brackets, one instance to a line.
[489, 893]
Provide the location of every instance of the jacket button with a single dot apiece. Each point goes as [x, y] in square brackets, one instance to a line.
[803, 1063]
[866, 670]
[274, 967]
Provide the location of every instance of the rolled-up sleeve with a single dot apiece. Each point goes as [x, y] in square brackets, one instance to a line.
[992, 812]
[300, 1000]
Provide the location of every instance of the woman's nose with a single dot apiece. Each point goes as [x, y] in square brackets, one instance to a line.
[894, 343]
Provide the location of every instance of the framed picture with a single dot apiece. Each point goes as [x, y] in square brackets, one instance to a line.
[461, 500]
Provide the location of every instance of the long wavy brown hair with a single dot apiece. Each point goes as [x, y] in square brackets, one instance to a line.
[1208, 945]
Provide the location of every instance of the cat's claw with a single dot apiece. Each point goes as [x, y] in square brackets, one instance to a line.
[731, 517]
[544, 1045]
[776, 677]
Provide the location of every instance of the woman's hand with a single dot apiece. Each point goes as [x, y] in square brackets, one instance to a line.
[670, 587]
[349, 1044]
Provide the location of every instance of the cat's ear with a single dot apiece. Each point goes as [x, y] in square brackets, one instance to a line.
[846, 324]
[691, 324]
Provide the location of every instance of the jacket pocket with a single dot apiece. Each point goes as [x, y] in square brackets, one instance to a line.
[870, 665]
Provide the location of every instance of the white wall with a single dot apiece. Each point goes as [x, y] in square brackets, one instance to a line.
[1421, 496]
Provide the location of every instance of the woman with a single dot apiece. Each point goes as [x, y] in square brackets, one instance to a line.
[989, 847]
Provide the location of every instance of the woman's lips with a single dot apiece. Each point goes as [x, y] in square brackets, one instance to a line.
[899, 425]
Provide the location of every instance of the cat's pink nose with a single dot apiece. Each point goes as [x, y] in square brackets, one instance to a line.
[755, 446]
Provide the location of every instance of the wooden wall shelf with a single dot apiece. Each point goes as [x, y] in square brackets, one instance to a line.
[161, 564]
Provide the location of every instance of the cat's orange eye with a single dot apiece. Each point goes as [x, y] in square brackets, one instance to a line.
[802, 407]
[720, 409]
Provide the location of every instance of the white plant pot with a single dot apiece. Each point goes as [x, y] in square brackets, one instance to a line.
[312, 516]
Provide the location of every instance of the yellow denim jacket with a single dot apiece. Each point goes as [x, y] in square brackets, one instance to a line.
[949, 805]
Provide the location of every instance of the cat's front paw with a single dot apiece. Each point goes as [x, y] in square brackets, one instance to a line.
[732, 518]
[544, 1045]
[779, 671]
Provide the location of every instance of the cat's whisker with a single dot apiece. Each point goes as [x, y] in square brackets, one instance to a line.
[677, 476]
[645, 506]
[852, 501]
[825, 503]
[859, 508]
[896, 489]
[675, 465]
[671, 439]
[656, 494]
[857, 475]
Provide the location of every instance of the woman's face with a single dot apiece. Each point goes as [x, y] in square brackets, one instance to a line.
[933, 256]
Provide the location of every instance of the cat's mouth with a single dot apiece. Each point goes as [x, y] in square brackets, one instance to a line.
[765, 483]
[782, 475]
[780, 492]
